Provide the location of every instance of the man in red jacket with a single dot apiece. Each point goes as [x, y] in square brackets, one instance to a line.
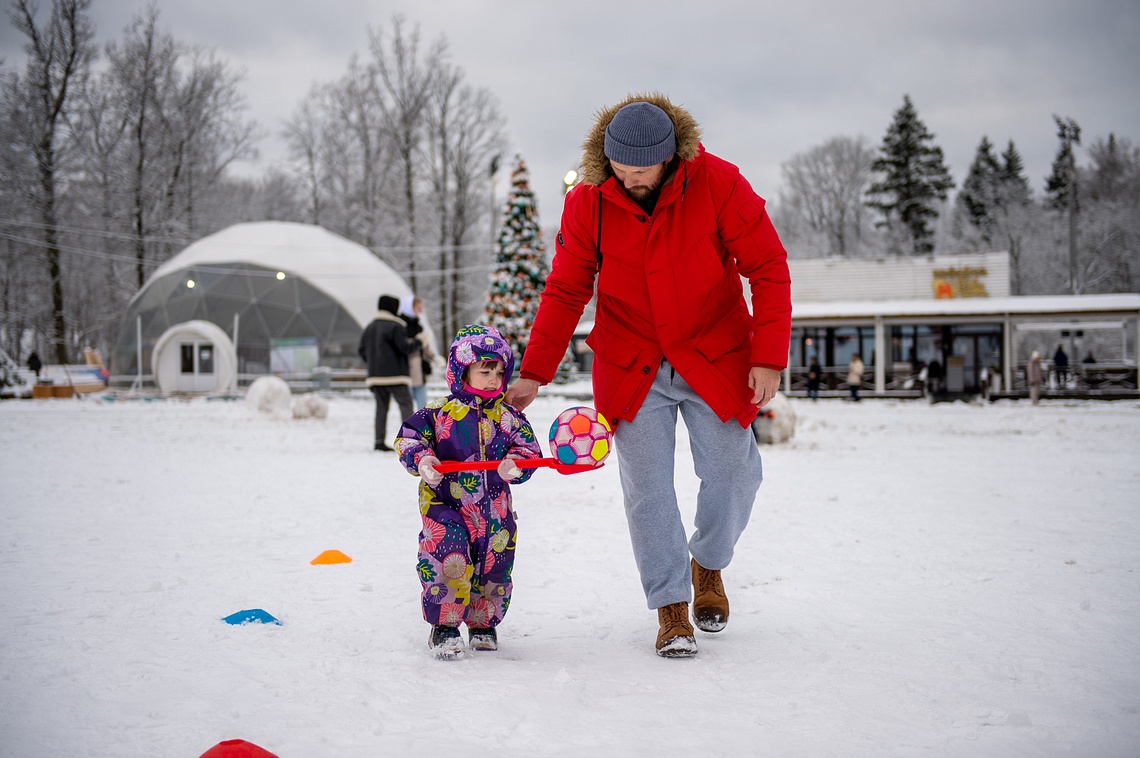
[666, 231]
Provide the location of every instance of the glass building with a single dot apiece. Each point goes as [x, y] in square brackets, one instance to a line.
[288, 296]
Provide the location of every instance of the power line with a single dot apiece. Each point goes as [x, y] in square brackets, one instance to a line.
[185, 241]
[100, 255]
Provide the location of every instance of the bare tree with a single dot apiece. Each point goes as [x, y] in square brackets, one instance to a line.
[345, 160]
[358, 106]
[135, 79]
[465, 132]
[393, 155]
[404, 90]
[182, 114]
[445, 86]
[21, 268]
[302, 134]
[59, 56]
[1110, 225]
[824, 192]
[204, 133]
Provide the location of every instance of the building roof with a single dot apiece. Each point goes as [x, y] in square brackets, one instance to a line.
[347, 272]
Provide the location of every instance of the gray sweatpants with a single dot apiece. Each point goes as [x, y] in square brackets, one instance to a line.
[725, 459]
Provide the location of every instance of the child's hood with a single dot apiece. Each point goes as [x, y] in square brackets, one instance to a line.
[474, 343]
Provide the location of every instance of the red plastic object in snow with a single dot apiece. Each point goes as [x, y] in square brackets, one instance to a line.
[448, 467]
[237, 749]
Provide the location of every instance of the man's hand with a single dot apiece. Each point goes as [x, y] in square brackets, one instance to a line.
[521, 394]
[764, 382]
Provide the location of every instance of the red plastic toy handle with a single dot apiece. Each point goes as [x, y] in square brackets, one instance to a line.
[447, 467]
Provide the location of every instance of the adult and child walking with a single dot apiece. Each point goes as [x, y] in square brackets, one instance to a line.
[663, 230]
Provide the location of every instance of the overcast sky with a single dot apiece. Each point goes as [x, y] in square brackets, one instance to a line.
[766, 80]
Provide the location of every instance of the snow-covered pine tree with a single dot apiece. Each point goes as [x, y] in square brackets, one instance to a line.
[520, 267]
[914, 179]
[1015, 187]
[976, 203]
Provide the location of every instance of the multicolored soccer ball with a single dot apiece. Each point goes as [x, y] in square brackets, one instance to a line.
[580, 435]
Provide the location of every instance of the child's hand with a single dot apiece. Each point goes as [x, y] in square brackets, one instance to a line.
[427, 466]
[508, 470]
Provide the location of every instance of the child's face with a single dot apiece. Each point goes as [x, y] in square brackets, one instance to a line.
[486, 375]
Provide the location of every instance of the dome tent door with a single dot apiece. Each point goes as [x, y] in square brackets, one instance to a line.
[197, 367]
[194, 356]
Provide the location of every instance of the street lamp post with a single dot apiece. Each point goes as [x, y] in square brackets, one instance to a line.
[1070, 135]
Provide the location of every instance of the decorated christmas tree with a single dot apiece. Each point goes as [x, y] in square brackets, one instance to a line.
[520, 267]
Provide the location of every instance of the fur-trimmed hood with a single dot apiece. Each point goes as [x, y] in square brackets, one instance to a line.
[595, 165]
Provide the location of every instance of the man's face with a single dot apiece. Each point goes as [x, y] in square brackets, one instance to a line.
[639, 181]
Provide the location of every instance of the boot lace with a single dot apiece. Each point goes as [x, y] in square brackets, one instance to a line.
[675, 614]
[708, 581]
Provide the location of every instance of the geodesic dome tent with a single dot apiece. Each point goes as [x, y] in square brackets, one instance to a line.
[288, 296]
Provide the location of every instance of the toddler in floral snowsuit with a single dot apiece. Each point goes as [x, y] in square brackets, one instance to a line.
[468, 540]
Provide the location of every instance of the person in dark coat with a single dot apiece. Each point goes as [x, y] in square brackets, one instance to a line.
[815, 373]
[1061, 366]
[934, 376]
[34, 363]
[385, 347]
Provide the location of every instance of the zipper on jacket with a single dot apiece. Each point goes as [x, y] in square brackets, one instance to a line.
[478, 564]
[598, 241]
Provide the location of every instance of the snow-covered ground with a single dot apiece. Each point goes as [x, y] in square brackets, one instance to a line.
[947, 580]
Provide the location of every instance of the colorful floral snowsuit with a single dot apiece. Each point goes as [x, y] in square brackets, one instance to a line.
[467, 546]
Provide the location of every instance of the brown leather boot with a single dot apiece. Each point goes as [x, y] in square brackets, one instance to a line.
[675, 638]
[710, 604]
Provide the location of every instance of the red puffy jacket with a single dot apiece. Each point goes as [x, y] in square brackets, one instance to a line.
[669, 284]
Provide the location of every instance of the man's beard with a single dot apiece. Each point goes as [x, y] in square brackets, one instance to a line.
[643, 191]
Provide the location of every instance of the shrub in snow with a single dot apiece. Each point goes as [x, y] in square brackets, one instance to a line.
[776, 422]
[310, 405]
[269, 394]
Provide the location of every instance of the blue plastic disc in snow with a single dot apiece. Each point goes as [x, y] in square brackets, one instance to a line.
[251, 616]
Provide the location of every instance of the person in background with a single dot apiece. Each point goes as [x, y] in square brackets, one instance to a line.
[1061, 367]
[1034, 376]
[855, 376]
[34, 363]
[934, 374]
[384, 347]
[467, 544]
[665, 231]
[815, 375]
[421, 359]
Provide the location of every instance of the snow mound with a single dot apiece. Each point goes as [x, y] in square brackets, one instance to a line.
[269, 394]
[776, 422]
[310, 406]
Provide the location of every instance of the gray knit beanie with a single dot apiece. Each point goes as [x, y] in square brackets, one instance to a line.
[640, 134]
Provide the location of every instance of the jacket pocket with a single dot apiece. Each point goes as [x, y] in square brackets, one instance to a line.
[609, 348]
[732, 334]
